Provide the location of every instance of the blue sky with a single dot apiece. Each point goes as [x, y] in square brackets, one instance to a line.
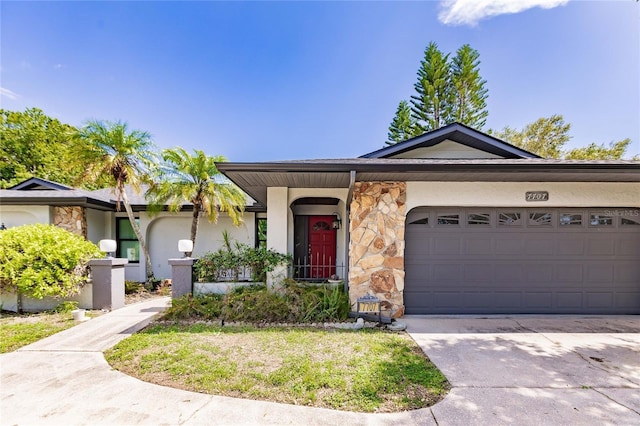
[260, 81]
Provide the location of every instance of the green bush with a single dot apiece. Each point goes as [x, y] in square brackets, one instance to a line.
[43, 260]
[229, 262]
[295, 302]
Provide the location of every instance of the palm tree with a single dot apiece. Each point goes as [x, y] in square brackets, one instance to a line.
[195, 179]
[111, 150]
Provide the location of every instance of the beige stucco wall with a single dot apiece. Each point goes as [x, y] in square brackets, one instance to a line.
[17, 215]
[512, 194]
[447, 149]
[164, 231]
[97, 225]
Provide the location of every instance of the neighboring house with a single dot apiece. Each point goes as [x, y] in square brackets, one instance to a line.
[453, 221]
[94, 215]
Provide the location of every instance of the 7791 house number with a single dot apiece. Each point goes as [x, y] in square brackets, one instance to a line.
[536, 196]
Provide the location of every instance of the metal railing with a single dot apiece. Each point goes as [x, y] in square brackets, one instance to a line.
[316, 268]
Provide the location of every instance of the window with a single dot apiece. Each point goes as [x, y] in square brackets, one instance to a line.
[422, 221]
[540, 219]
[479, 219]
[597, 219]
[567, 219]
[128, 244]
[448, 219]
[510, 219]
[261, 232]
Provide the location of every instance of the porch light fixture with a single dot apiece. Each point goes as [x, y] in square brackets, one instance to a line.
[185, 247]
[335, 223]
[2, 227]
[108, 246]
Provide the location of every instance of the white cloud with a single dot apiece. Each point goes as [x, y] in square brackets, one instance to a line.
[8, 94]
[469, 12]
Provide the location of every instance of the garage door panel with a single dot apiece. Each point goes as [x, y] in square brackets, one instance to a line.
[509, 273]
[600, 273]
[508, 246]
[538, 273]
[553, 261]
[601, 246]
[478, 247]
[539, 247]
[571, 247]
[571, 300]
[568, 273]
[445, 245]
[538, 300]
[599, 300]
[447, 272]
[627, 273]
[627, 299]
[628, 247]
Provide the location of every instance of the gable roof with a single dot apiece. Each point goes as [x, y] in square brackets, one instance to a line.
[37, 191]
[35, 183]
[458, 133]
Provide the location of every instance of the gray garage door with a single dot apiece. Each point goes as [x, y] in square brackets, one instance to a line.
[513, 260]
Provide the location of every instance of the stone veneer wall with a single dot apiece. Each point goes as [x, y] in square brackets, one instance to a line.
[376, 247]
[72, 218]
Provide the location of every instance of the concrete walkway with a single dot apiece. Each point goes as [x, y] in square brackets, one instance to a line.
[65, 380]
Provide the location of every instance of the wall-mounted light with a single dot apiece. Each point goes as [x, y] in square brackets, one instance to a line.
[185, 247]
[2, 227]
[335, 223]
[108, 246]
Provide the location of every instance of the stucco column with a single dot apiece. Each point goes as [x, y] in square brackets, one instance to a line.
[108, 283]
[181, 276]
[277, 228]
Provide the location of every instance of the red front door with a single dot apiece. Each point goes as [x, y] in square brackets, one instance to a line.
[322, 246]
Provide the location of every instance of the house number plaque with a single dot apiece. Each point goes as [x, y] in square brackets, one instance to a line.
[536, 196]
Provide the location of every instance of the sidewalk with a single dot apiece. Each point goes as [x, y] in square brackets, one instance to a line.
[65, 380]
[528, 371]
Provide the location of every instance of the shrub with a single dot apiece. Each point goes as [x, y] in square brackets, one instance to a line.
[231, 261]
[295, 302]
[133, 287]
[43, 260]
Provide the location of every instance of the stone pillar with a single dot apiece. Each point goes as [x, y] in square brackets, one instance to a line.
[108, 282]
[72, 219]
[376, 247]
[181, 276]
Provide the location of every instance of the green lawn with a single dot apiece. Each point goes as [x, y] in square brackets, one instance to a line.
[17, 331]
[366, 370]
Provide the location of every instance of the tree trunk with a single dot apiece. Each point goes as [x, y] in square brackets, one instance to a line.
[19, 308]
[136, 230]
[194, 225]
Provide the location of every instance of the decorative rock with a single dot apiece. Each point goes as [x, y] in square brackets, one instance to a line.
[382, 281]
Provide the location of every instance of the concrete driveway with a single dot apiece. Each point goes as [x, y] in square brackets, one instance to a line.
[535, 370]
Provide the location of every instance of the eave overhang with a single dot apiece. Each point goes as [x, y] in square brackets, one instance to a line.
[255, 178]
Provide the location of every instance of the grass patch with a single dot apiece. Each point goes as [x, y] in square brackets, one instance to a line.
[17, 330]
[364, 371]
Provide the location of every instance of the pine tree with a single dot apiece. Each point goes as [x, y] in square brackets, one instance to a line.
[470, 103]
[403, 126]
[431, 106]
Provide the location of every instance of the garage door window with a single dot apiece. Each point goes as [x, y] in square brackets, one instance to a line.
[540, 219]
[448, 219]
[479, 219]
[597, 219]
[570, 219]
[510, 219]
[625, 221]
